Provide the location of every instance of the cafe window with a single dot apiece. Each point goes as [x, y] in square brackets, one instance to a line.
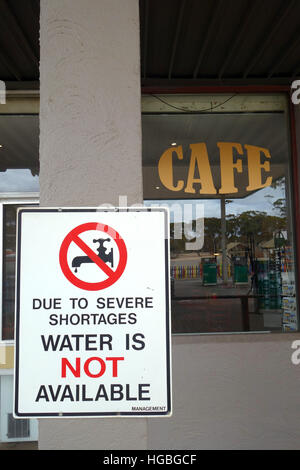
[222, 164]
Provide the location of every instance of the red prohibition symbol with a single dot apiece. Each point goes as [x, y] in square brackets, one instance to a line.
[92, 257]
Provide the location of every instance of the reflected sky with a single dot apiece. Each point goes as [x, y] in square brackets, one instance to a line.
[261, 201]
[17, 181]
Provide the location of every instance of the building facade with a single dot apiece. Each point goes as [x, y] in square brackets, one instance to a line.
[193, 106]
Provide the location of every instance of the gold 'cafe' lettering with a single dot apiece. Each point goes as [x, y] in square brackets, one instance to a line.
[199, 161]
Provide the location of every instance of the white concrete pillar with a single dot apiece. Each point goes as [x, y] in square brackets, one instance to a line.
[90, 148]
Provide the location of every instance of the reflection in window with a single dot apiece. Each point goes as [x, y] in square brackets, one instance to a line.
[9, 260]
[232, 253]
[9, 269]
[19, 181]
[19, 169]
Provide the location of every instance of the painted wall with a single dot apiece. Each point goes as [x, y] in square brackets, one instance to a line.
[231, 392]
[90, 141]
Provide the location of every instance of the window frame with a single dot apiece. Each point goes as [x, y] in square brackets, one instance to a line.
[285, 91]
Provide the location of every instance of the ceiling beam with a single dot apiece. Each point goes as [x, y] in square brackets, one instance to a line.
[216, 12]
[20, 85]
[21, 40]
[35, 7]
[9, 66]
[175, 40]
[251, 7]
[145, 39]
[268, 38]
[295, 43]
[295, 73]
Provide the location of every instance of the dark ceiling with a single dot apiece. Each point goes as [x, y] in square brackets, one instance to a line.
[19, 40]
[219, 41]
[186, 42]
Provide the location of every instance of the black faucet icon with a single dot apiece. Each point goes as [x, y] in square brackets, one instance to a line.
[106, 257]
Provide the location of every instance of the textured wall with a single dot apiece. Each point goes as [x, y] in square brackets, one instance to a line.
[90, 150]
[232, 392]
[90, 146]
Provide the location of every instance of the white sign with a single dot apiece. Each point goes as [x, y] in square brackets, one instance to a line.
[92, 322]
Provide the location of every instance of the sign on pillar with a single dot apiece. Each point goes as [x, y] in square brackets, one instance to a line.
[92, 324]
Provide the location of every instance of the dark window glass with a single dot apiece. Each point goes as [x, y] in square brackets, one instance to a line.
[9, 269]
[19, 169]
[19, 153]
[9, 263]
